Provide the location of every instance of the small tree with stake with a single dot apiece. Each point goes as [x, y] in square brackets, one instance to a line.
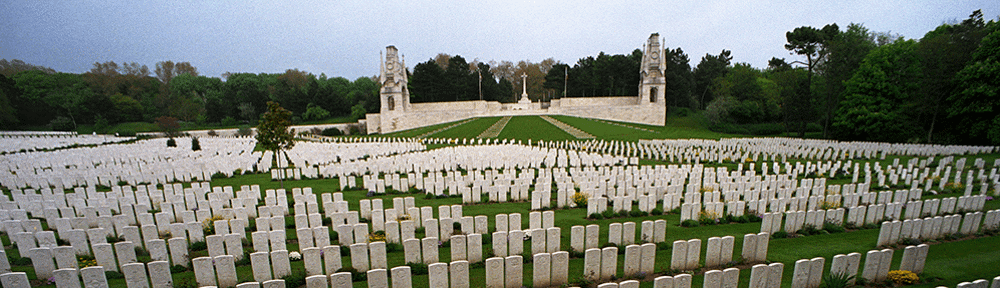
[273, 134]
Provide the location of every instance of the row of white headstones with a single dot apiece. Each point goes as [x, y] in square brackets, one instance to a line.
[285, 204]
[432, 241]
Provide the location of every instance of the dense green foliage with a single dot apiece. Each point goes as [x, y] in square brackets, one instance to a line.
[32, 96]
[457, 81]
[875, 106]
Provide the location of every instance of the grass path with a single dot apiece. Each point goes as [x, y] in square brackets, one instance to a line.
[495, 130]
[579, 134]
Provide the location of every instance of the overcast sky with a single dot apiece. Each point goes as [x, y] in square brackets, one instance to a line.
[344, 38]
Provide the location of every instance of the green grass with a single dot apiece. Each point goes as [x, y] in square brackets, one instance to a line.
[419, 131]
[468, 130]
[524, 128]
[603, 130]
[533, 127]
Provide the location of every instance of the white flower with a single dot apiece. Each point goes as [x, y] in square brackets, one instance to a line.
[294, 256]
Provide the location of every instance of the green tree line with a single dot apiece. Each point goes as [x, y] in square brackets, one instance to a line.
[853, 84]
[34, 96]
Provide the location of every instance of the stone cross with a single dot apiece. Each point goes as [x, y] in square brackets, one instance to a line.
[524, 85]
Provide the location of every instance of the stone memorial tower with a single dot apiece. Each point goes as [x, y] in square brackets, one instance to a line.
[652, 83]
[394, 95]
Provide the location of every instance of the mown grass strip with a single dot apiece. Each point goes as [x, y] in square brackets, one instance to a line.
[495, 130]
[534, 128]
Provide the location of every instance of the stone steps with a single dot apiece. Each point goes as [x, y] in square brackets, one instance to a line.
[494, 130]
[579, 134]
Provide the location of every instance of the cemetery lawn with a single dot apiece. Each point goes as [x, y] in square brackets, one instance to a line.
[533, 127]
[468, 130]
[523, 128]
[676, 128]
[948, 263]
[418, 131]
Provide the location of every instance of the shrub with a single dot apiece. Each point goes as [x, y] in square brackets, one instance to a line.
[839, 280]
[315, 112]
[377, 236]
[910, 241]
[185, 282]
[579, 199]
[417, 268]
[681, 111]
[952, 187]
[178, 269]
[101, 125]
[808, 230]
[229, 121]
[903, 277]
[717, 111]
[195, 145]
[113, 275]
[358, 112]
[596, 216]
[749, 129]
[61, 124]
[25, 261]
[707, 218]
[833, 228]
[209, 224]
[297, 278]
[656, 211]
[213, 133]
[171, 142]
[690, 223]
[139, 251]
[198, 246]
[608, 213]
[332, 131]
[662, 246]
[393, 247]
[779, 235]
[824, 205]
[124, 132]
[244, 130]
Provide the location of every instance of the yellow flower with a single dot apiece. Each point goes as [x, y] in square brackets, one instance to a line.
[903, 277]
